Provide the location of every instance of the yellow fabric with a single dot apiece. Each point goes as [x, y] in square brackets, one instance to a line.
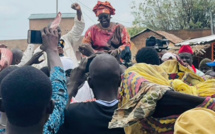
[196, 121]
[188, 82]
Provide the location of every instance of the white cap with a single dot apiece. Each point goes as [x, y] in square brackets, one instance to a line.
[67, 63]
[168, 56]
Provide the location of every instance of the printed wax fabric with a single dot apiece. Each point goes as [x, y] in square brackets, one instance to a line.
[143, 85]
[114, 37]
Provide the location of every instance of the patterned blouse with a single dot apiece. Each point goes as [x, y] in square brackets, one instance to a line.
[2, 131]
[60, 97]
[99, 37]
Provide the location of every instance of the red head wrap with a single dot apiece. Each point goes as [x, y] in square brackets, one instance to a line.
[185, 49]
[103, 7]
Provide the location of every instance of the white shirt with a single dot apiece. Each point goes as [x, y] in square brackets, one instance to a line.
[85, 93]
[71, 40]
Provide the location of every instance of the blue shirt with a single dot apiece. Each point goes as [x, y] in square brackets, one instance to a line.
[60, 97]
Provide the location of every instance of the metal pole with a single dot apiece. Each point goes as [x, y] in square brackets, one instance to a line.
[212, 25]
[56, 6]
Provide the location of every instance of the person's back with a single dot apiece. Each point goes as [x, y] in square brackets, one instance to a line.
[93, 117]
[90, 117]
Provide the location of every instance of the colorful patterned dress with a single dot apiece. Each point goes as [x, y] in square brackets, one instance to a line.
[114, 37]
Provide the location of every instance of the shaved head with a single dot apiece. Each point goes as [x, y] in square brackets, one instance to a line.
[104, 75]
[17, 56]
[104, 66]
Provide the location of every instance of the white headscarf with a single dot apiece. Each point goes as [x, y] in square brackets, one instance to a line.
[168, 56]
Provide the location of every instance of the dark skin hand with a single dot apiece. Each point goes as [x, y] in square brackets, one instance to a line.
[86, 50]
[77, 77]
[35, 59]
[3, 46]
[50, 43]
[77, 7]
[114, 52]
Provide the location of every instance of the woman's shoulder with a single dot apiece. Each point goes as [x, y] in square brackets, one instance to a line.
[94, 27]
[117, 24]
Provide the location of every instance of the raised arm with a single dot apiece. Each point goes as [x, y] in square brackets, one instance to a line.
[50, 43]
[58, 79]
[74, 35]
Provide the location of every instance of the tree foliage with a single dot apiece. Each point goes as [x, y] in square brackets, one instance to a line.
[134, 30]
[172, 14]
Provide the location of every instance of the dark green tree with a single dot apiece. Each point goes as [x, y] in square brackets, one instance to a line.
[172, 14]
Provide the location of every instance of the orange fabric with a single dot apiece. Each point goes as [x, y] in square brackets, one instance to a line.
[185, 49]
[103, 7]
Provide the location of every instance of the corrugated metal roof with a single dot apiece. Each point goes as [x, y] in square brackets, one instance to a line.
[50, 16]
[198, 41]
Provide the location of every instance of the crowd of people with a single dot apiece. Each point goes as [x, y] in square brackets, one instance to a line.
[46, 90]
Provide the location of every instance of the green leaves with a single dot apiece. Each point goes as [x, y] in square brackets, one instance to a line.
[172, 14]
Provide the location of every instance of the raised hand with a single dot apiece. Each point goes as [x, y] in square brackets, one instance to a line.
[35, 59]
[76, 6]
[50, 39]
[77, 77]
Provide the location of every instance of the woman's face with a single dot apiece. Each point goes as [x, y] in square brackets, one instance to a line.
[104, 20]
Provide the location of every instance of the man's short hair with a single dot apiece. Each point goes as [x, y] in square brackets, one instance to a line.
[5, 72]
[105, 69]
[26, 93]
[45, 70]
[148, 55]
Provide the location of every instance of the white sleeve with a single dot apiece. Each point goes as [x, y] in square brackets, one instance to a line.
[27, 55]
[75, 33]
[43, 57]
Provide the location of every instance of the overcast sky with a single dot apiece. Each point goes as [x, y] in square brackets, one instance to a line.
[14, 14]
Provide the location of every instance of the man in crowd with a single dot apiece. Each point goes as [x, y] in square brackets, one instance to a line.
[186, 55]
[148, 55]
[203, 65]
[27, 93]
[17, 56]
[3, 119]
[68, 43]
[93, 117]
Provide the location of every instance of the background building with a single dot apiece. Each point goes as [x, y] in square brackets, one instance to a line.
[38, 22]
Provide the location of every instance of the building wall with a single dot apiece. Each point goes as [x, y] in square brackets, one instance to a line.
[65, 25]
[190, 34]
[140, 40]
[21, 44]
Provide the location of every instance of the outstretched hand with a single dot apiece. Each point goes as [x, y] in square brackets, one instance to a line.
[35, 59]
